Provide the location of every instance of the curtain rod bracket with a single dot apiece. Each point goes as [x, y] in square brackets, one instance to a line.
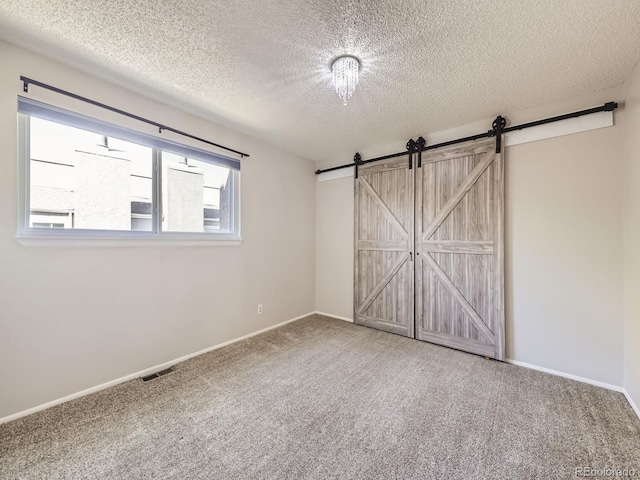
[25, 86]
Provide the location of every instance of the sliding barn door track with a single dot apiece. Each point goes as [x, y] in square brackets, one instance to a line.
[498, 128]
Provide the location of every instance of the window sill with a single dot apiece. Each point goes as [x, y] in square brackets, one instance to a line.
[87, 240]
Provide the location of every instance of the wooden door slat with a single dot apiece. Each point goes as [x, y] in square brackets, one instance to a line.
[451, 152]
[383, 207]
[475, 247]
[458, 343]
[377, 289]
[464, 187]
[380, 324]
[460, 298]
[386, 245]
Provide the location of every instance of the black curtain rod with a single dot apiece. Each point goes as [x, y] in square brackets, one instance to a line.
[607, 107]
[29, 81]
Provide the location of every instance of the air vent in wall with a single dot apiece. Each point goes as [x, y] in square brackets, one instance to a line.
[157, 374]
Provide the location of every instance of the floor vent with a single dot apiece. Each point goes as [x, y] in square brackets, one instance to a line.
[157, 374]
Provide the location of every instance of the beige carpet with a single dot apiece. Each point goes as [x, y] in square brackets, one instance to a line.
[321, 398]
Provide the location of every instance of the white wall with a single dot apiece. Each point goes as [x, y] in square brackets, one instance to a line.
[632, 237]
[563, 243]
[73, 318]
[334, 252]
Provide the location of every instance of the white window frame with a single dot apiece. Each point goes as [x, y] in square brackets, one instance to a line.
[31, 236]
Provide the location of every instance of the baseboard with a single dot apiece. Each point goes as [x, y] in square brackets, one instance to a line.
[608, 386]
[141, 373]
[632, 403]
[334, 316]
[597, 383]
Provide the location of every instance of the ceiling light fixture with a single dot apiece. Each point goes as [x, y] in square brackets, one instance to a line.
[345, 76]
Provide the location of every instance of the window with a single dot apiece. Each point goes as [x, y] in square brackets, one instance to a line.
[195, 196]
[85, 177]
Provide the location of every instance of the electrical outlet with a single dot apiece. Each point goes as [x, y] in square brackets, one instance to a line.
[260, 309]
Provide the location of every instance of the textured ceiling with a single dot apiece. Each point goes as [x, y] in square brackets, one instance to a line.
[263, 66]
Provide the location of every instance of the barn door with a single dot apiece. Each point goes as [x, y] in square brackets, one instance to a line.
[384, 221]
[459, 245]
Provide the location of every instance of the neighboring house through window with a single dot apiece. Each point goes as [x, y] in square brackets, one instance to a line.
[80, 174]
